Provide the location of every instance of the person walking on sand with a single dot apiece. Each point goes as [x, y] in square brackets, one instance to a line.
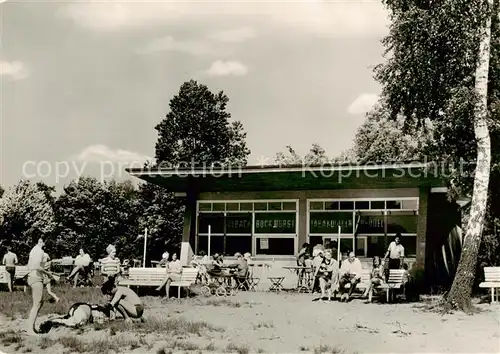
[36, 272]
[10, 261]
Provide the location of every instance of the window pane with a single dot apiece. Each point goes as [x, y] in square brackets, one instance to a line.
[276, 246]
[410, 245]
[376, 246]
[205, 206]
[289, 206]
[239, 223]
[240, 244]
[328, 222]
[377, 204]
[232, 206]
[393, 204]
[274, 206]
[246, 206]
[345, 246]
[360, 246]
[404, 222]
[362, 205]
[215, 220]
[316, 205]
[371, 223]
[409, 204]
[260, 206]
[275, 223]
[219, 206]
[332, 205]
[315, 240]
[346, 205]
[216, 244]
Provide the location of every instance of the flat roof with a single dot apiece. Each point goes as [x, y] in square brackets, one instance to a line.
[293, 177]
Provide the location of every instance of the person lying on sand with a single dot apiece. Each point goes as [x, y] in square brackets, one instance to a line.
[79, 314]
[124, 300]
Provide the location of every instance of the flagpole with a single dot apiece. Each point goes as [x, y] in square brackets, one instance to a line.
[338, 246]
[209, 232]
[145, 245]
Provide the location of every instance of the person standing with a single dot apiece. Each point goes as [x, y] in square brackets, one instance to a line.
[396, 253]
[35, 280]
[10, 261]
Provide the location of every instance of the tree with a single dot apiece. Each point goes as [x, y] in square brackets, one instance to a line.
[1, 191]
[437, 69]
[198, 130]
[26, 215]
[315, 156]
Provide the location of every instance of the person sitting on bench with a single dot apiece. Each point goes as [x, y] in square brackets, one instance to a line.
[350, 272]
[174, 272]
[328, 275]
[123, 299]
[239, 271]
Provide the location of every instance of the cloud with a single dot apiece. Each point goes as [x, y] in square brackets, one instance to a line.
[169, 44]
[103, 153]
[347, 18]
[14, 70]
[234, 35]
[226, 68]
[363, 103]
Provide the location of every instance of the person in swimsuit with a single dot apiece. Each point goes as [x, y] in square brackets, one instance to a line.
[78, 315]
[47, 280]
[36, 272]
[123, 299]
[10, 261]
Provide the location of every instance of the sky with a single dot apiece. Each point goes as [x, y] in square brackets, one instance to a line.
[83, 84]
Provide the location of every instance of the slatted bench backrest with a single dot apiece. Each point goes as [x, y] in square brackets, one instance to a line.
[147, 274]
[365, 275]
[492, 274]
[396, 276]
[189, 275]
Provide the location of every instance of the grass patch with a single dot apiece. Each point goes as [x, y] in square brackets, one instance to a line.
[10, 338]
[264, 325]
[100, 346]
[240, 349]
[327, 349]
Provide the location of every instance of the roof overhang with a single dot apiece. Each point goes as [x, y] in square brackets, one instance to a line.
[277, 178]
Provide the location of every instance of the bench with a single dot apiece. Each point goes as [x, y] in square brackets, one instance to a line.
[21, 272]
[156, 276]
[396, 280]
[492, 281]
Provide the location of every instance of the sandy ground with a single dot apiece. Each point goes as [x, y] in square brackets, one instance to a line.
[292, 323]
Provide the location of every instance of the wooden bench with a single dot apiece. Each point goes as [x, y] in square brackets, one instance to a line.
[492, 281]
[156, 276]
[21, 272]
[396, 280]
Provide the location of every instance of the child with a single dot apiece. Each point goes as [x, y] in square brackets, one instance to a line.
[47, 280]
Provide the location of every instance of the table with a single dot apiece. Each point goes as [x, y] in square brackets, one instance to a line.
[306, 276]
[276, 283]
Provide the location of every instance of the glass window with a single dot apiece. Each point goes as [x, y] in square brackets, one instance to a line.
[274, 206]
[404, 222]
[411, 204]
[370, 222]
[329, 222]
[246, 206]
[215, 220]
[275, 223]
[260, 206]
[289, 206]
[219, 206]
[378, 204]
[205, 206]
[410, 245]
[216, 244]
[346, 205]
[240, 244]
[315, 240]
[276, 246]
[360, 246]
[239, 223]
[332, 205]
[393, 204]
[376, 246]
[346, 246]
[362, 205]
[233, 206]
[316, 205]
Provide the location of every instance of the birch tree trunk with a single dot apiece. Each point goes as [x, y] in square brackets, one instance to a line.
[461, 289]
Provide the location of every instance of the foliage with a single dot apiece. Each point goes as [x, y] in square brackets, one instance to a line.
[315, 156]
[198, 130]
[26, 213]
[2, 191]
